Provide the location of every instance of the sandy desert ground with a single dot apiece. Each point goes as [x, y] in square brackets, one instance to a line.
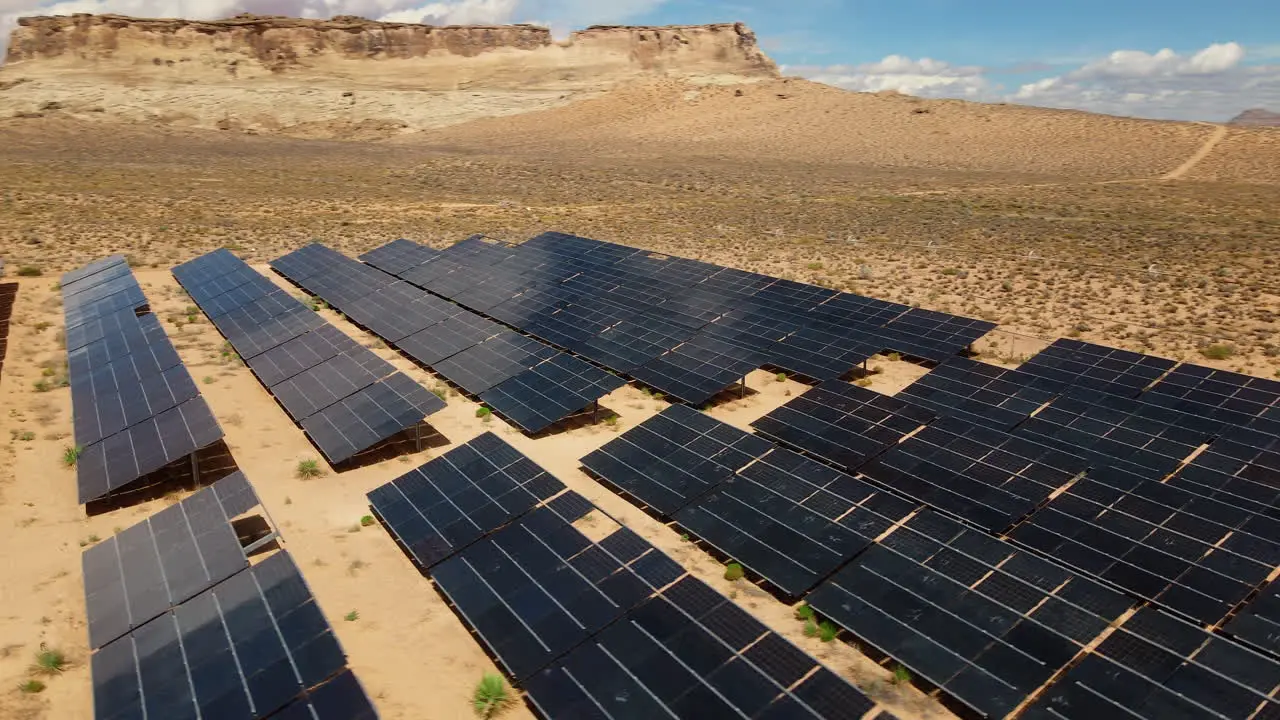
[1052, 224]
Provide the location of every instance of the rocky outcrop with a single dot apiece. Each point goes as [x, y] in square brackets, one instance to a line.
[509, 55]
[1256, 117]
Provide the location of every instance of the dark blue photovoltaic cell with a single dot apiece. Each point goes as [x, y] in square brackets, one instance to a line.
[674, 457]
[984, 621]
[977, 392]
[539, 397]
[1074, 363]
[344, 396]
[245, 648]
[142, 571]
[135, 408]
[455, 499]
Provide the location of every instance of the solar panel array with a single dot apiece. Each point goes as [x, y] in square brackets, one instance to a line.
[686, 328]
[841, 423]
[449, 502]
[977, 392]
[248, 647]
[673, 458]
[985, 622]
[135, 407]
[8, 296]
[1097, 368]
[135, 575]
[604, 627]
[526, 381]
[344, 396]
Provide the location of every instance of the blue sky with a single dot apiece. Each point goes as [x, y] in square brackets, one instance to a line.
[1173, 59]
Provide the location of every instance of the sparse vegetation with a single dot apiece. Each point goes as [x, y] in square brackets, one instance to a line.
[901, 675]
[29, 271]
[71, 455]
[352, 616]
[308, 469]
[733, 571]
[49, 661]
[804, 612]
[483, 412]
[366, 520]
[31, 687]
[1218, 351]
[490, 696]
[780, 377]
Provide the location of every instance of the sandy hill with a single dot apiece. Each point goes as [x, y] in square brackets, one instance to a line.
[675, 91]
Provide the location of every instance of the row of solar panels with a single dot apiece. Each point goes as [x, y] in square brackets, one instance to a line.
[8, 296]
[610, 627]
[184, 626]
[868, 534]
[344, 396]
[687, 328]
[528, 382]
[135, 406]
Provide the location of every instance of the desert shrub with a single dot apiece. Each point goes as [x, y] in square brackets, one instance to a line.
[31, 687]
[483, 412]
[367, 520]
[49, 661]
[827, 631]
[781, 377]
[29, 271]
[308, 469]
[71, 455]
[1218, 351]
[352, 616]
[733, 571]
[901, 675]
[490, 695]
[804, 612]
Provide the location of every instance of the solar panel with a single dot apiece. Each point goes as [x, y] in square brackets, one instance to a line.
[340, 698]
[8, 296]
[343, 395]
[674, 457]
[932, 335]
[245, 648]
[633, 342]
[1241, 468]
[987, 623]
[824, 352]
[493, 361]
[446, 504]
[1155, 541]
[1258, 623]
[1074, 363]
[375, 413]
[330, 275]
[977, 392]
[550, 392]
[126, 456]
[448, 338]
[690, 653]
[399, 255]
[1155, 667]
[146, 569]
[398, 311]
[792, 520]
[72, 276]
[1120, 432]
[699, 369]
[985, 476]
[538, 586]
[841, 423]
[1218, 394]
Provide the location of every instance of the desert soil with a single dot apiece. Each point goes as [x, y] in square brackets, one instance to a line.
[1052, 224]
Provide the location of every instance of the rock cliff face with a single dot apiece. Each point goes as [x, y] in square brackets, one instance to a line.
[396, 53]
[1257, 117]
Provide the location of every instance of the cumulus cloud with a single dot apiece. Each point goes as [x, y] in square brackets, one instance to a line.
[560, 14]
[1214, 83]
[924, 77]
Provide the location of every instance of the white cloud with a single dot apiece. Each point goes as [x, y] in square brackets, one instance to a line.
[924, 77]
[561, 15]
[1214, 83]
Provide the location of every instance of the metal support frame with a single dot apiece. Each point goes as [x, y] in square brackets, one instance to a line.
[742, 389]
[195, 468]
[417, 431]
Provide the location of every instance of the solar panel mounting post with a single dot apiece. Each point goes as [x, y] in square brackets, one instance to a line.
[195, 470]
[742, 389]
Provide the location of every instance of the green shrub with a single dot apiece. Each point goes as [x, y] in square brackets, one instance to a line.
[352, 616]
[1218, 351]
[804, 612]
[733, 571]
[308, 469]
[811, 628]
[71, 455]
[367, 520]
[781, 377]
[32, 686]
[29, 271]
[483, 412]
[49, 661]
[901, 675]
[490, 695]
[827, 631]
